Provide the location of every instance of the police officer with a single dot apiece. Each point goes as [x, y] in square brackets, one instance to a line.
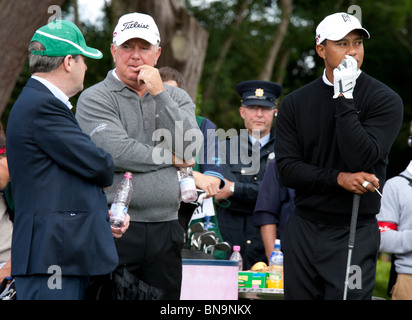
[244, 159]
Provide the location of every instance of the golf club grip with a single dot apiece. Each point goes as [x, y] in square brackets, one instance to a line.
[354, 219]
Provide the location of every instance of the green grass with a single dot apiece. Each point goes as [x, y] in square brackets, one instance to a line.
[382, 276]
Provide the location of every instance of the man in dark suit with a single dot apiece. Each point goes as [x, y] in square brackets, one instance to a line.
[62, 234]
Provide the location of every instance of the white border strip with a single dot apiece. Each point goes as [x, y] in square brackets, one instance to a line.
[99, 54]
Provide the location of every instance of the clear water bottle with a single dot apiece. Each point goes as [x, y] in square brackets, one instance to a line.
[275, 280]
[188, 192]
[236, 256]
[121, 201]
[208, 224]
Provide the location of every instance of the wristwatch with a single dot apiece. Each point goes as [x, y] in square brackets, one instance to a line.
[232, 188]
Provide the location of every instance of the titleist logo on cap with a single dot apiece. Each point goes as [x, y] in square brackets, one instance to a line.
[134, 24]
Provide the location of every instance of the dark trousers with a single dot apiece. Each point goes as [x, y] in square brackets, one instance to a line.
[153, 253]
[43, 287]
[315, 259]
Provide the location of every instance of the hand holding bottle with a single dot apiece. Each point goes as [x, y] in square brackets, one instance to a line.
[118, 232]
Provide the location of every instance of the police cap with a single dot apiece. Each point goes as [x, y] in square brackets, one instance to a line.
[259, 92]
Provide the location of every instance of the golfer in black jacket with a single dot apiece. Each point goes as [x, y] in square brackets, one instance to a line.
[333, 140]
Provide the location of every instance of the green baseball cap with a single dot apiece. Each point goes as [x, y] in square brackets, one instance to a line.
[62, 37]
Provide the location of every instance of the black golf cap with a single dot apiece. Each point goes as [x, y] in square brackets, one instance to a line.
[259, 93]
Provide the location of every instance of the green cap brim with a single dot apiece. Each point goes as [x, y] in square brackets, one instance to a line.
[65, 48]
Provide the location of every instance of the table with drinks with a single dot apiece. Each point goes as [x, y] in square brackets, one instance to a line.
[259, 285]
[262, 281]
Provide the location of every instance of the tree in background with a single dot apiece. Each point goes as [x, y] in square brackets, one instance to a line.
[18, 21]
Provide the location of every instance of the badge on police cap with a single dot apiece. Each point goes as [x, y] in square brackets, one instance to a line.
[259, 92]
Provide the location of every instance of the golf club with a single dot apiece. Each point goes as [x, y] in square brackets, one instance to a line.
[194, 240]
[351, 243]
[208, 248]
[222, 246]
[198, 237]
[208, 237]
[195, 228]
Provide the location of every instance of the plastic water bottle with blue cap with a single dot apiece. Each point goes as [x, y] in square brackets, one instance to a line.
[208, 224]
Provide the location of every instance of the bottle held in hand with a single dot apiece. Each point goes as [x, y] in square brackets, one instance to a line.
[188, 192]
[121, 201]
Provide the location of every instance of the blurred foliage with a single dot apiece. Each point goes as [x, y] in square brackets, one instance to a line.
[383, 269]
[97, 36]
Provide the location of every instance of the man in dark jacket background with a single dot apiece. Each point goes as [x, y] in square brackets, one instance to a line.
[244, 162]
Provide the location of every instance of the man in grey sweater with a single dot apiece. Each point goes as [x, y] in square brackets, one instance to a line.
[149, 129]
[395, 224]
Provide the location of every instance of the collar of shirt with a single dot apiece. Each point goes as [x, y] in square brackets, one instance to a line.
[262, 141]
[115, 74]
[56, 91]
[326, 80]
[409, 168]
